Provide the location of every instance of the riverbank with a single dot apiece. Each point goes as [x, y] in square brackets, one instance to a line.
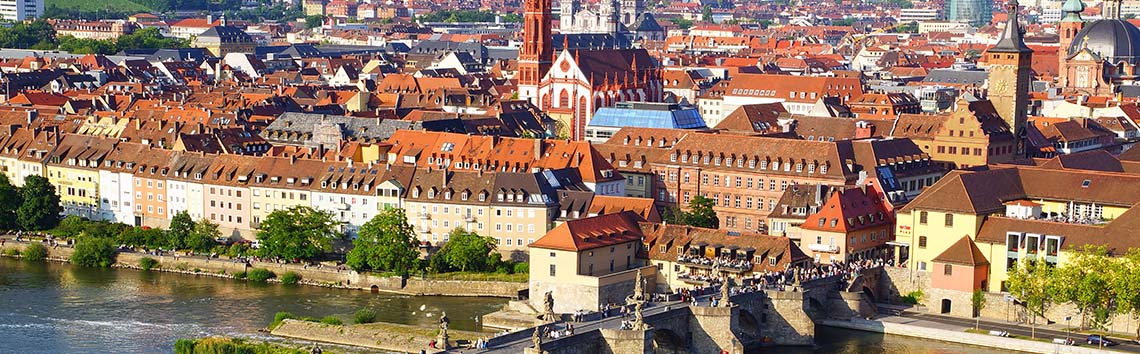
[383, 336]
[311, 276]
[916, 328]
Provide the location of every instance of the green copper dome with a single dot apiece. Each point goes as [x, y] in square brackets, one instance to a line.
[1072, 9]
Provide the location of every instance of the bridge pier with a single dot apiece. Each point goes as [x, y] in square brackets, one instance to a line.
[628, 341]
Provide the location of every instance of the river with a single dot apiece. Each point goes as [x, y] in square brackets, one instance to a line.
[59, 308]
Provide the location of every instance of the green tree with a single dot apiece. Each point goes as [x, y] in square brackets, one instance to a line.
[314, 21]
[701, 213]
[94, 252]
[9, 201]
[70, 226]
[707, 14]
[181, 225]
[40, 209]
[387, 243]
[1086, 281]
[978, 299]
[148, 38]
[1127, 286]
[297, 233]
[682, 22]
[201, 238]
[466, 251]
[1031, 284]
[141, 237]
[36, 35]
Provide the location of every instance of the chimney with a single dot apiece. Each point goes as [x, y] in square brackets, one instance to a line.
[537, 148]
[31, 114]
[864, 130]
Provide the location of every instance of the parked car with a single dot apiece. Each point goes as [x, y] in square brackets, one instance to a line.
[1099, 340]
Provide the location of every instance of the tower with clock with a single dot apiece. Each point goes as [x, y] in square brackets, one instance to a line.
[1010, 73]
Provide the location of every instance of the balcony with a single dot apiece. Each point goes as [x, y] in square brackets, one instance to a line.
[424, 228]
[819, 247]
[340, 206]
[469, 218]
[423, 215]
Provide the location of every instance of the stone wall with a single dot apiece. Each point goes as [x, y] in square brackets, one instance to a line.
[324, 276]
[628, 342]
[388, 337]
[713, 331]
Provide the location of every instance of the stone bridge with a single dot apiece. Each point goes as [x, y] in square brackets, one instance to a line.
[756, 319]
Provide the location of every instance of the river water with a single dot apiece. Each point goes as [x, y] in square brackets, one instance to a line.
[58, 308]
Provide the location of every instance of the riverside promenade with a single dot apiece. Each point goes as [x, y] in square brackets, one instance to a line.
[325, 276]
[954, 330]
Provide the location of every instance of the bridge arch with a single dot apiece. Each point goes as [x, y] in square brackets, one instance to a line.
[665, 341]
[870, 295]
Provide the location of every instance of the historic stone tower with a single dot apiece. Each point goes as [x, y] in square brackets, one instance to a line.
[1071, 24]
[1010, 74]
[630, 9]
[537, 52]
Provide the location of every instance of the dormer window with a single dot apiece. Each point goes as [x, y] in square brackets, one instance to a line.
[447, 195]
[431, 193]
[463, 195]
[764, 165]
[482, 197]
[416, 192]
[501, 196]
[775, 165]
[823, 169]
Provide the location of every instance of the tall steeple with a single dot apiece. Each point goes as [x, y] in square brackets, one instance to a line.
[1071, 24]
[1010, 73]
[537, 52]
[1012, 40]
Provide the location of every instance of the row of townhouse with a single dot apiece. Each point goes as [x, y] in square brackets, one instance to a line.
[108, 179]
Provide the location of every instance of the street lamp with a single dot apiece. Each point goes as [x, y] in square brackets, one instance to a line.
[1068, 327]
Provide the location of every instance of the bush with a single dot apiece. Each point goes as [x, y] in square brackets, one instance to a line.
[521, 268]
[364, 316]
[279, 317]
[333, 320]
[290, 278]
[94, 252]
[913, 298]
[184, 346]
[240, 275]
[11, 252]
[214, 345]
[147, 263]
[35, 252]
[260, 275]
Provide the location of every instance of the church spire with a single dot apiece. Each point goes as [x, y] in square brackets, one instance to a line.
[1011, 39]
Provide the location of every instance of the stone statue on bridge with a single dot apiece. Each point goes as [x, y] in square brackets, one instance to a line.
[548, 308]
[637, 299]
[442, 338]
[536, 338]
[724, 294]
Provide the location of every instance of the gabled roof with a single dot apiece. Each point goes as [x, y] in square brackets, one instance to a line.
[963, 252]
[594, 232]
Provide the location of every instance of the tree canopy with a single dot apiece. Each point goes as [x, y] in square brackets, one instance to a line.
[40, 209]
[385, 243]
[10, 200]
[466, 251]
[700, 214]
[297, 233]
[145, 38]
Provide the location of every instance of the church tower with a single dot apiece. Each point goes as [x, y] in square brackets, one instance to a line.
[569, 14]
[537, 51]
[630, 9]
[1009, 77]
[1071, 24]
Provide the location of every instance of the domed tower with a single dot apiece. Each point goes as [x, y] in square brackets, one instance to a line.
[1071, 24]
